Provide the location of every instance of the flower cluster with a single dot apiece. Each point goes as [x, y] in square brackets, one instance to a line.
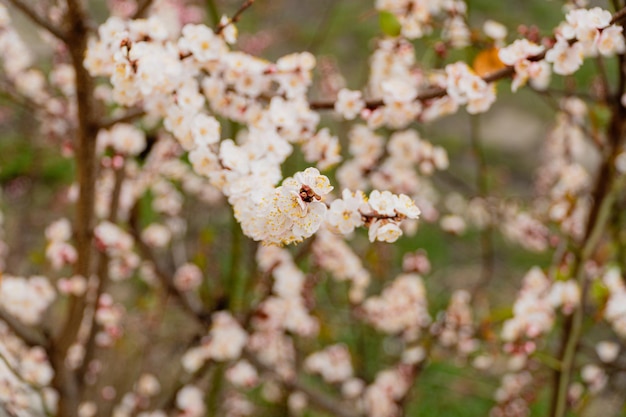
[59, 252]
[225, 342]
[332, 363]
[534, 309]
[401, 308]
[26, 298]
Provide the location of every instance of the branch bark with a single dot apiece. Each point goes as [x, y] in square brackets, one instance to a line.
[30, 336]
[38, 20]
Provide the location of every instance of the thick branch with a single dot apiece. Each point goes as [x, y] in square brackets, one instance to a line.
[39, 20]
[29, 335]
[65, 380]
[142, 8]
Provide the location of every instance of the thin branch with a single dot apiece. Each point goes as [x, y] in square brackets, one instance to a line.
[34, 387]
[429, 93]
[129, 116]
[39, 20]
[619, 16]
[318, 399]
[30, 336]
[235, 17]
[102, 273]
[193, 306]
[438, 92]
[486, 234]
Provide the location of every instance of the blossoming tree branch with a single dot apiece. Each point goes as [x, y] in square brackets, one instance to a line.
[168, 123]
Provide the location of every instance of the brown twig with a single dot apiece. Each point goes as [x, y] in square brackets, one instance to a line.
[129, 116]
[30, 336]
[318, 399]
[65, 381]
[142, 8]
[220, 28]
[191, 305]
[102, 273]
[37, 19]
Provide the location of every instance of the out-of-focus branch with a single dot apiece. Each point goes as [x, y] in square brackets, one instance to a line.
[35, 387]
[37, 19]
[318, 399]
[607, 185]
[486, 234]
[438, 92]
[235, 17]
[102, 273]
[129, 116]
[429, 93]
[142, 8]
[29, 335]
[65, 379]
[191, 305]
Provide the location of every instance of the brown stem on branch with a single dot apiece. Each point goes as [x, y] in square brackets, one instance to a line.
[129, 116]
[102, 273]
[30, 336]
[220, 27]
[486, 234]
[190, 304]
[38, 20]
[142, 8]
[318, 399]
[438, 92]
[604, 194]
[65, 380]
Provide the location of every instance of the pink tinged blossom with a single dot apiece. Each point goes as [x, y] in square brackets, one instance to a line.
[349, 103]
[26, 299]
[112, 239]
[397, 90]
[519, 50]
[382, 204]
[201, 42]
[76, 285]
[583, 24]
[190, 400]
[495, 30]
[312, 178]
[322, 148]
[405, 206]
[401, 308]
[229, 33]
[343, 215]
[148, 385]
[188, 277]
[59, 231]
[607, 351]
[611, 41]
[566, 58]
[60, 254]
[243, 375]
[565, 294]
[156, 235]
[297, 403]
[594, 377]
[333, 364]
[227, 338]
[124, 138]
